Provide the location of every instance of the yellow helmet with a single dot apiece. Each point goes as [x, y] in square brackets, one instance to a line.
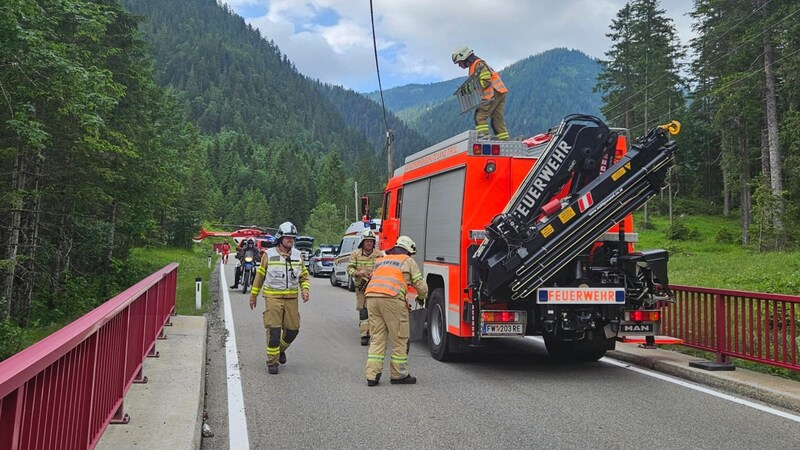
[461, 54]
[406, 244]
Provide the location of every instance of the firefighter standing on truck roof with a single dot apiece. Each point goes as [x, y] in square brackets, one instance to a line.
[362, 262]
[282, 274]
[388, 310]
[494, 91]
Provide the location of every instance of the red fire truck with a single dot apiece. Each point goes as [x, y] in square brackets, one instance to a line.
[534, 238]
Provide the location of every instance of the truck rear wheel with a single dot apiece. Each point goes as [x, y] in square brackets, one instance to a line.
[351, 285]
[333, 279]
[439, 340]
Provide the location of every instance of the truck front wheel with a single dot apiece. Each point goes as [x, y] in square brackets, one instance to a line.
[438, 338]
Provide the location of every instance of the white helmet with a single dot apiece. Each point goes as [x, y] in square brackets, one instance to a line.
[367, 234]
[287, 229]
[461, 54]
[406, 244]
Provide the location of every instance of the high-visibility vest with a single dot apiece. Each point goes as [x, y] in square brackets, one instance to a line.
[496, 83]
[387, 278]
[282, 274]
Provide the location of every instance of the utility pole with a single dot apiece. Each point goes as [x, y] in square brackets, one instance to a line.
[355, 198]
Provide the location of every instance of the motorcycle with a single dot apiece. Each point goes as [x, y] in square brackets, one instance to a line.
[248, 271]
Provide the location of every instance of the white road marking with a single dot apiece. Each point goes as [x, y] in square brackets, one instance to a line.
[689, 385]
[237, 422]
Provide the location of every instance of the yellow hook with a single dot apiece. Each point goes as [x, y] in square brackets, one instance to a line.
[673, 127]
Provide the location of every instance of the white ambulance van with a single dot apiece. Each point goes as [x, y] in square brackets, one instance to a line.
[350, 241]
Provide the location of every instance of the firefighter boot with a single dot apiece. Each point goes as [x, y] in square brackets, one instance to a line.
[407, 380]
[282, 358]
[273, 369]
[375, 381]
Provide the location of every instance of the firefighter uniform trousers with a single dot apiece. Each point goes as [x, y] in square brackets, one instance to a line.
[388, 319]
[496, 110]
[282, 323]
[363, 312]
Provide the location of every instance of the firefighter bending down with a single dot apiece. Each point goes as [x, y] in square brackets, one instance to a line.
[494, 94]
[360, 267]
[388, 310]
[281, 273]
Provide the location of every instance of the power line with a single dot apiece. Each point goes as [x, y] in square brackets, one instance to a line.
[725, 55]
[631, 96]
[745, 75]
[389, 135]
[377, 67]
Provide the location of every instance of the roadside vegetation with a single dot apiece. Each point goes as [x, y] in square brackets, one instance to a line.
[141, 263]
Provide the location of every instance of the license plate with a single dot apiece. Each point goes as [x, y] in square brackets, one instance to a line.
[502, 328]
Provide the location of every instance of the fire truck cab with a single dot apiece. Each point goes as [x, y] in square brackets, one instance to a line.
[455, 200]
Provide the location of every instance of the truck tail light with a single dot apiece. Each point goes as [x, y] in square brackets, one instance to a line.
[495, 149]
[641, 315]
[476, 149]
[500, 316]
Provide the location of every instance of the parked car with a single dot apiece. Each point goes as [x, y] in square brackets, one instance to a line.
[329, 248]
[305, 244]
[321, 263]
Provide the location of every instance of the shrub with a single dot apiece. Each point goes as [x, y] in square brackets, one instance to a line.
[678, 231]
[727, 236]
[12, 339]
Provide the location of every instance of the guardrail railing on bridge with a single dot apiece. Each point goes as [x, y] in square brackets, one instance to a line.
[749, 325]
[63, 391]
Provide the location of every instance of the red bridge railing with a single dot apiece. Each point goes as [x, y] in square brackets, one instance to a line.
[63, 391]
[749, 325]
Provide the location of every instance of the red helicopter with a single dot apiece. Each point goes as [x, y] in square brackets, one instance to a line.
[244, 232]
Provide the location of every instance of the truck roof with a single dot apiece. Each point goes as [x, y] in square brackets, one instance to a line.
[463, 143]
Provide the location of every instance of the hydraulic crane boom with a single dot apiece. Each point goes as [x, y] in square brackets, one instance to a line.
[538, 233]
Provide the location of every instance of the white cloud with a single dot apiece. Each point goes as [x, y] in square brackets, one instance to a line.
[416, 37]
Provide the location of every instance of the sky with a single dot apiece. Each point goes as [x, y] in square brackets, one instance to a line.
[331, 40]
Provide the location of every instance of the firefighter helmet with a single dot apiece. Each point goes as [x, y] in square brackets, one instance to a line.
[367, 234]
[406, 244]
[287, 229]
[461, 54]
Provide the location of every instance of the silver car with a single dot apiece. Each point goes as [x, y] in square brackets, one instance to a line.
[321, 263]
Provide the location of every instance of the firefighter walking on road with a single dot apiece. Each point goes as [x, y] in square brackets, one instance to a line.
[388, 310]
[281, 276]
[494, 94]
[360, 267]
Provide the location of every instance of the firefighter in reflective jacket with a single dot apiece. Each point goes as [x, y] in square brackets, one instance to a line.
[494, 94]
[388, 310]
[280, 277]
[362, 262]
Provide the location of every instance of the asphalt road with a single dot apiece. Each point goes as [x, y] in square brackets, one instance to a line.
[513, 396]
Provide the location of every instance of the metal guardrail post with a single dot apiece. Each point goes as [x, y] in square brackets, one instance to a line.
[720, 328]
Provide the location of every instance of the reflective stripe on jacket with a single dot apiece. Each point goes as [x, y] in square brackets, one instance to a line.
[387, 278]
[490, 80]
[282, 274]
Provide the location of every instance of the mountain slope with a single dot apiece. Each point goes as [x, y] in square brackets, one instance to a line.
[367, 117]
